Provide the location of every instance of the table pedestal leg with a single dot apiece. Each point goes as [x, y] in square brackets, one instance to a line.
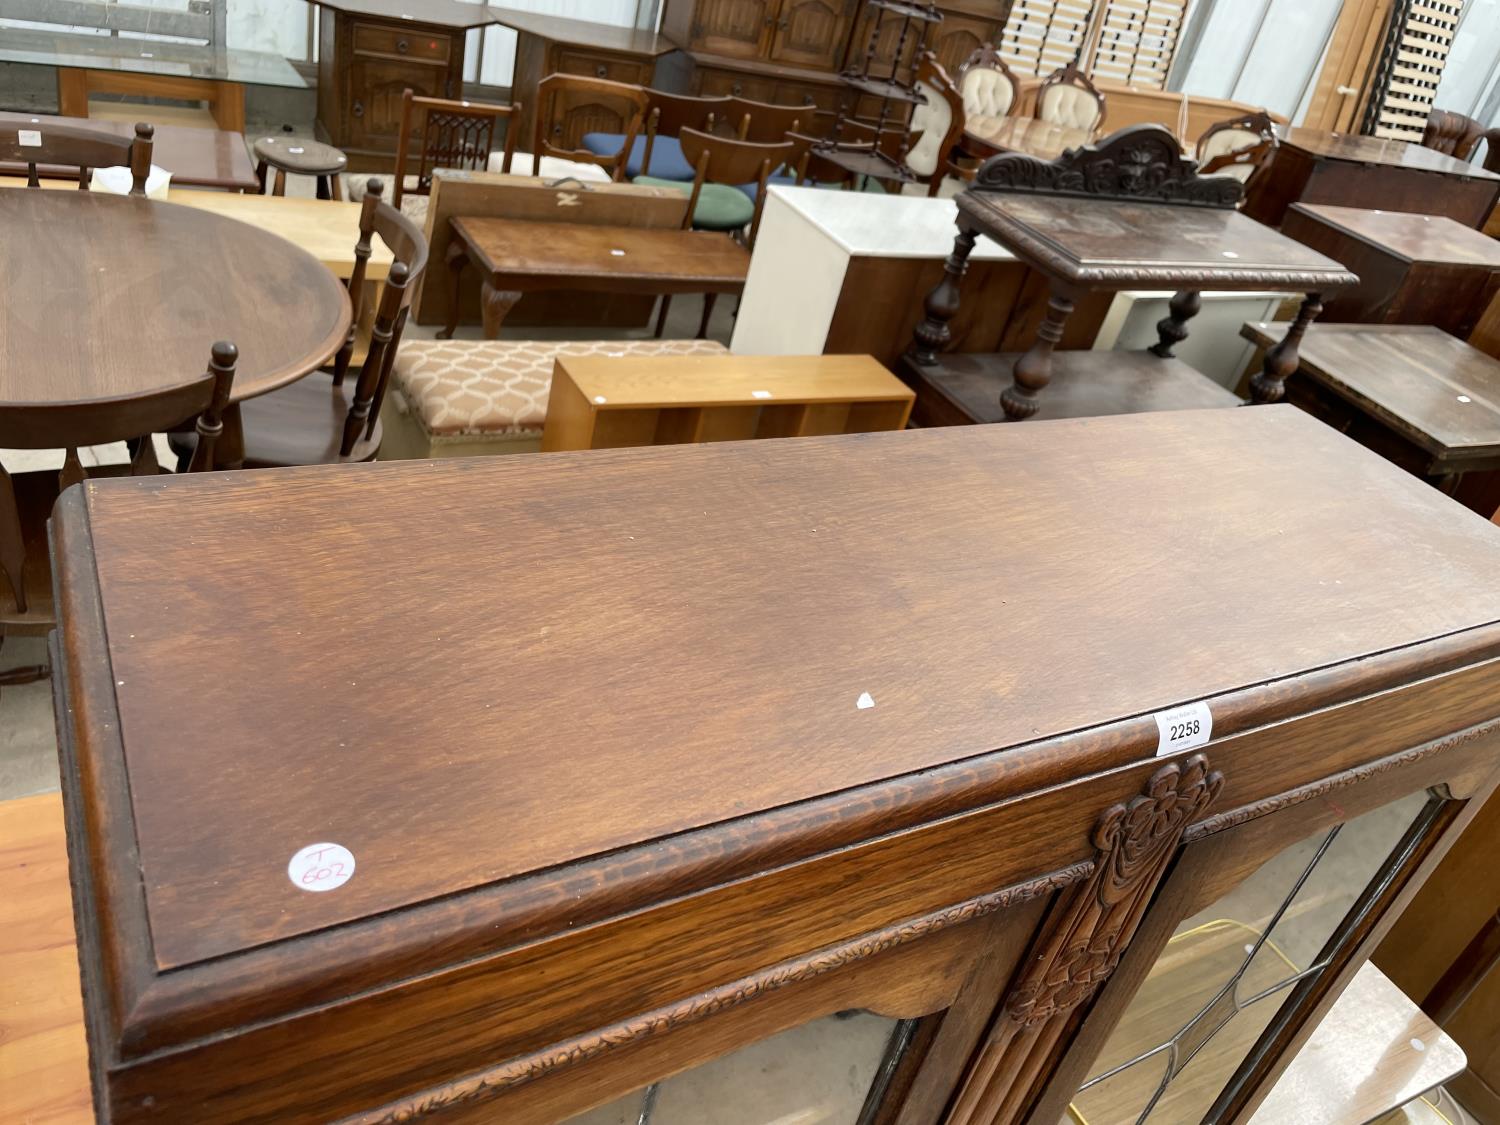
[1269, 384]
[1172, 329]
[457, 258]
[932, 335]
[494, 306]
[12, 542]
[1033, 369]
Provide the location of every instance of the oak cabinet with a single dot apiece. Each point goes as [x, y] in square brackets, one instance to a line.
[915, 726]
[365, 64]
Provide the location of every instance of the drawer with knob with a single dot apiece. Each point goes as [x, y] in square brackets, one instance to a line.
[374, 39]
[612, 67]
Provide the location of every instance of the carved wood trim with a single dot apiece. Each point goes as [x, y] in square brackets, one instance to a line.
[490, 1083]
[1233, 817]
[1083, 938]
[1140, 163]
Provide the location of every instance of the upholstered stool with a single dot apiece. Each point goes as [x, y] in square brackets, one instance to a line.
[465, 398]
[301, 158]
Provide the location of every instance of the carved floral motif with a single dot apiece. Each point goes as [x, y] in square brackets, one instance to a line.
[1143, 162]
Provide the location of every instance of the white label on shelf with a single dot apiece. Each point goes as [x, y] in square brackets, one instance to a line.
[760, 394]
[29, 138]
[321, 867]
[1183, 727]
[865, 701]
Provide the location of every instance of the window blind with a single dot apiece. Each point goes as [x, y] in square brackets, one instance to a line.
[1126, 41]
[1411, 66]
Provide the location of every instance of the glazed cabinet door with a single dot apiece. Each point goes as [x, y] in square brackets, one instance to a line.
[737, 28]
[811, 33]
[1244, 947]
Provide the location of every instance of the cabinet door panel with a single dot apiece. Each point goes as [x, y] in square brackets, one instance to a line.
[811, 32]
[738, 28]
[958, 37]
[375, 109]
[1226, 971]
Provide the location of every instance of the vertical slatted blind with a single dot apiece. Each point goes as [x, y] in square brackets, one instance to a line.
[1042, 35]
[1137, 39]
[1417, 46]
[1133, 40]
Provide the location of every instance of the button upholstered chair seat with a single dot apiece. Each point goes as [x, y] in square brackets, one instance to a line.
[460, 398]
[1224, 143]
[987, 92]
[1237, 147]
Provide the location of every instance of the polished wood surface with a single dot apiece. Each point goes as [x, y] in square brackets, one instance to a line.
[1431, 388]
[986, 136]
[192, 909]
[961, 389]
[1413, 269]
[1414, 238]
[1312, 166]
[112, 268]
[326, 229]
[485, 195]
[43, 1057]
[1115, 244]
[600, 402]
[196, 157]
[515, 256]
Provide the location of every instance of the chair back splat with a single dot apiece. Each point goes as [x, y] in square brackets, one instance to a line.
[722, 161]
[77, 147]
[451, 134]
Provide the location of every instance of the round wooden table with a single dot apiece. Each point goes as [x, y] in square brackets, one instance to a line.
[109, 297]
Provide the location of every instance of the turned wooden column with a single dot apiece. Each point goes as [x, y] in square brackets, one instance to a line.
[1269, 384]
[1172, 330]
[932, 335]
[1033, 370]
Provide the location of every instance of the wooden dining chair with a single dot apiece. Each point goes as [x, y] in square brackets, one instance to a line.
[449, 134]
[936, 127]
[1238, 147]
[1067, 97]
[1454, 134]
[26, 499]
[728, 190]
[566, 102]
[75, 147]
[318, 422]
[655, 152]
[765, 123]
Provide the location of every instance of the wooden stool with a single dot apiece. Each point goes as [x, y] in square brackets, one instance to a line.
[301, 158]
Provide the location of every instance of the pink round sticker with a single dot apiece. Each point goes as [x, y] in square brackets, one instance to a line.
[321, 867]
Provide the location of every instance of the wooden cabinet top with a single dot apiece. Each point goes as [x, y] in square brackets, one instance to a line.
[1376, 150]
[1413, 238]
[466, 672]
[1110, 243]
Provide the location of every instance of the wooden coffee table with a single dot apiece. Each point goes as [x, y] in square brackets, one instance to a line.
[516, 257]
[215, 158]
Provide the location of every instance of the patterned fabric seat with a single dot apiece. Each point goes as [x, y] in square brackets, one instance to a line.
[459, 398]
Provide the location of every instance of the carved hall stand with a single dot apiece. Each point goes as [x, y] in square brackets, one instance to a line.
[1128, 213]
[979, 815]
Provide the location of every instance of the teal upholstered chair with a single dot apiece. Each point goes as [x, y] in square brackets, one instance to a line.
[715, 201]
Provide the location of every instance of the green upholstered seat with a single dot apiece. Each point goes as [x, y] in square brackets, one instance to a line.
[720, 206]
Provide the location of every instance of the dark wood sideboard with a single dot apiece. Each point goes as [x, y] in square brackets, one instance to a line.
[382, 47]
[682, 748]
[792, 51]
